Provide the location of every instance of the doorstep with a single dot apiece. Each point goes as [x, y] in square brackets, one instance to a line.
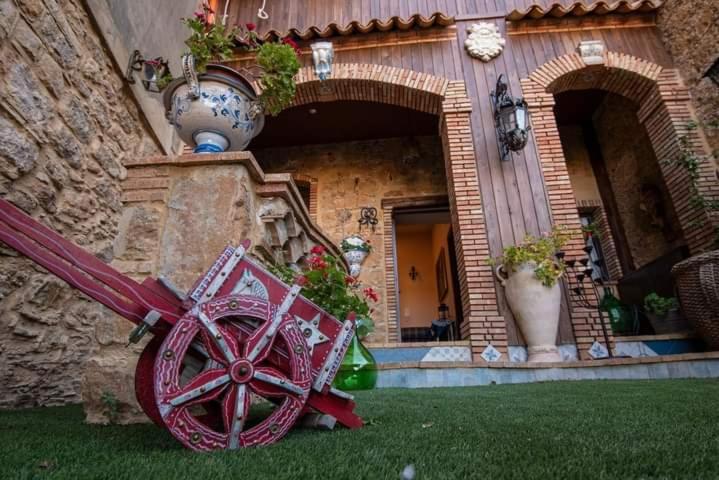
[453, 374]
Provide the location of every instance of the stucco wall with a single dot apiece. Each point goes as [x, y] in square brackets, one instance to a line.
[690, 31]
[357, 174]
[67, 124]
[153, 28]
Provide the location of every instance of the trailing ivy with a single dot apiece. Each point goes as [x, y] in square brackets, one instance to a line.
[691, 163]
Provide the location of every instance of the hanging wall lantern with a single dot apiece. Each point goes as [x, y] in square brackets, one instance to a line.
[511, 120]
[322, 56]
[156, 72]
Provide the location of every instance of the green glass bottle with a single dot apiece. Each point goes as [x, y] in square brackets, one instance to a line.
[619, 315]
[358, 370]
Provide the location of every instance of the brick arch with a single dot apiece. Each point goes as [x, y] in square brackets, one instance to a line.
[663, 109]
[374, 83]
[447, 99]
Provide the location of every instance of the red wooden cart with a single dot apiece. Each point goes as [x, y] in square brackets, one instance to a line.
[234, 363]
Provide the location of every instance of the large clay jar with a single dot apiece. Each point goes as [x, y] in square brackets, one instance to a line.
[536, 310]
[214, 112]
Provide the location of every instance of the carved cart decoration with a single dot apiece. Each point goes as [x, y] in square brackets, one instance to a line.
[241, 344]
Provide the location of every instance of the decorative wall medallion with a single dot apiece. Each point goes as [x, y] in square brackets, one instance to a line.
[592, 52]
[484, 41]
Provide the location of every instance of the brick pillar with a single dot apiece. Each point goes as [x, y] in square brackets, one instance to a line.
[483, 323]
[562, 204]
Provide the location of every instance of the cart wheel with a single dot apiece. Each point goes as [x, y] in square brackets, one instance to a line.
[144, 380]
[213, 385]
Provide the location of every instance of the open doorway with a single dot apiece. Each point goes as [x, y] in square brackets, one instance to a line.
[429, 306]
[624, 204]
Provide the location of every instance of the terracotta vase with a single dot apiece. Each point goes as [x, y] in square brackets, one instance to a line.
[536, 310]
[214, 112]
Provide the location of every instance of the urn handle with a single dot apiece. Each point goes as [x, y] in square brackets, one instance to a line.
[501, 274]
[190, 74]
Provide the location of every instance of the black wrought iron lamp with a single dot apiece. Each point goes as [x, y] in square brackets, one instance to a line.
[511, 120]
[156, 72]
[580, 273]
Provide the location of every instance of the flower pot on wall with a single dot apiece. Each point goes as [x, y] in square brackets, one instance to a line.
[355, 249]
[214, 112]
[536, 310]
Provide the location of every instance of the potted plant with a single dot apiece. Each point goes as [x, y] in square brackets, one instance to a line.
[215, 108]
[355, 249]
[327, 284]
[663, 313]
[590, 230]
[530, 275]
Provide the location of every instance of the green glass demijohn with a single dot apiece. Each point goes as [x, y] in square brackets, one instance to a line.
[358, 370]
[619, 315]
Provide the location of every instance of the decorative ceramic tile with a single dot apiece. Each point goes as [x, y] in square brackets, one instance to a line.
[448, 354]
[517, 353]
[634, 349]
[569, 352]
[491, 354]
[597, 350]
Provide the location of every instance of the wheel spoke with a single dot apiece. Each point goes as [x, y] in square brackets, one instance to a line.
[236, 407]
[203, 387]
[261, 340]
[219, 339]
[273, 383]
[260, 343]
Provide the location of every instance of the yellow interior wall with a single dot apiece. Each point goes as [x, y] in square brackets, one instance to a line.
[439, 241]
[418, 298]
[579, 166]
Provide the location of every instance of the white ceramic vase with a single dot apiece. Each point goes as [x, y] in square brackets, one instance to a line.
[536, 309]
[354, 259]
[214, 112]
[355, 254]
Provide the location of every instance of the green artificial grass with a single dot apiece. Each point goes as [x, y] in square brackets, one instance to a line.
[593, 430]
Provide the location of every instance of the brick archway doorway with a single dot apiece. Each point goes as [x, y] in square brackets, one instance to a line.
[664, 111]
[447, 100]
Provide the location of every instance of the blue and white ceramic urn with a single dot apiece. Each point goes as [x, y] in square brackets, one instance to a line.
[216, 111]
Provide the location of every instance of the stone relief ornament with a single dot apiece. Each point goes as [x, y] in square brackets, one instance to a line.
[484, 41]
[592, 52]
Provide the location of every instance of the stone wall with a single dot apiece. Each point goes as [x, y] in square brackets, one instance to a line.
[67, 124]
[179, 214]
[690, 31]
[643, 202]
[358, 174]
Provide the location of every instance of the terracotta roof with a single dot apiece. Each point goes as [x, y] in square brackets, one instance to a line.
[579, 9]
[374, 25]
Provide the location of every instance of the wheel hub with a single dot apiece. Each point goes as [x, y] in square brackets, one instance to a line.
[241, 371]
